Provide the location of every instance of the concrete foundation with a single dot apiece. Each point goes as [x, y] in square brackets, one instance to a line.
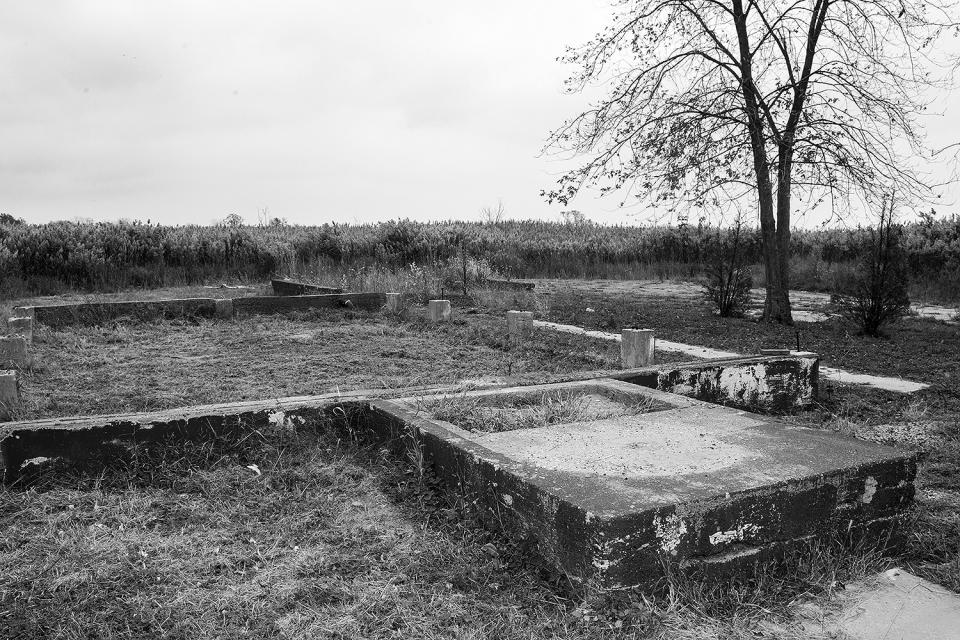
[636, 348]
[439, 310]
[13, 352]
[519, 326]
[21, 327]
[10, 401]
[769, 383]
[223, 309]
[509, 285]
[701, 487]
[283, 304]
[285, 287]
[393, 302]
[98, 312]
[23, 312]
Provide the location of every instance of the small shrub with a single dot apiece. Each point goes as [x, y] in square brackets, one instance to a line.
[728, 276]
[878, 295]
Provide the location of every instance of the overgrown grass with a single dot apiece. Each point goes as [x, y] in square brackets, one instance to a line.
[300, 534]
[508, 413]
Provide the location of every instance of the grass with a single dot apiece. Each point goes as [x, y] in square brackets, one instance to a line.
[304, 535]
[130, 367]
[293, 535]
[486, 415]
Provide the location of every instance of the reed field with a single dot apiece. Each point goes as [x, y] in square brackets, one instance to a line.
[61, 256]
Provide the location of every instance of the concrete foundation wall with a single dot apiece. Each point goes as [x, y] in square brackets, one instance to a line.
[509, 285]
[96, 312]
[281, 304]
[775, 383]
[284, 287]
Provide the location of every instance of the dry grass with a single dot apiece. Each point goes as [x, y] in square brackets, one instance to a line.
[481, 414]
[130, 367]
[303, 535]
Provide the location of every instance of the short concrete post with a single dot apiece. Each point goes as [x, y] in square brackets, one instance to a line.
[393, 302]
[21, 327]
[223, 309]
[13, 352]
[439, 310]
[636, 348]
[10, 402]
[519, 326]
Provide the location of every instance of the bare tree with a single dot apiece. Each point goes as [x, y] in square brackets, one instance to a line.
[714, 101]
[493, 215]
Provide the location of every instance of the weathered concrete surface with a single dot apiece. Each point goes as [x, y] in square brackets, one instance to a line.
[696, 485]
[13, 352]
[880, 382]
[438, 310]
[282, 304]
[393, 302]
[509, 285]
[10, 400]
[778, 383]
[21, 326]
[636, 348]
[23, 312]
[96, 312]
[285, 287]
[519, 326]
[895, 605]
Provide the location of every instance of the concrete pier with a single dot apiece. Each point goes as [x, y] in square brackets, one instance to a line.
[10, 401]
[13, 352]
[519, 326]
[439, 310]
[21, 327]
[636, 348]
[393, 302]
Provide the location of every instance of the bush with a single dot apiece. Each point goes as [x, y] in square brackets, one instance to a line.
[728, 277]
[879, 294]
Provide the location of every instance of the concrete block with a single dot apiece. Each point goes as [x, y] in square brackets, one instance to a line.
[439, 310]
[21, 327]
[519, 326]
[694, 485]
[286, 287]
[393, 302]
[10, 401]
[13, 352]
[223, 309]
[636, 348]
[23, 312]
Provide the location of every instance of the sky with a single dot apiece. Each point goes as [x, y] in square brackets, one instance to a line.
[312, 111]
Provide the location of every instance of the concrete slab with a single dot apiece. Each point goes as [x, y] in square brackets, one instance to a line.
[693, 484]
[21, 326]
[283, 304]
[439, 310]
[286, 287]
[845, 377]
[895, 605]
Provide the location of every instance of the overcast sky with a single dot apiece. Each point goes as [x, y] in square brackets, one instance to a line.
[186, 111]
